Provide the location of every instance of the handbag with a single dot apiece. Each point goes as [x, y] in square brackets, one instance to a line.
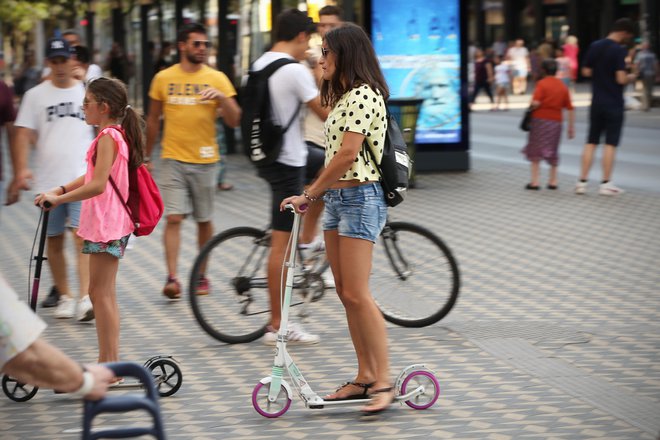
[526, 122]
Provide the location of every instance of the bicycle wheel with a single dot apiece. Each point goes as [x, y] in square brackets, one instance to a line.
[237, 308]
[415, 278]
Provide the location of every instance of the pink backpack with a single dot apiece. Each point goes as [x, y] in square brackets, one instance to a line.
[144, 204]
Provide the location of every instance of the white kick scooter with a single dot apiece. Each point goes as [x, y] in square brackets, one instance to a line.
[416, 385]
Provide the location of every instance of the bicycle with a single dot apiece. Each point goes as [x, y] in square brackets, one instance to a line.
[415, 280]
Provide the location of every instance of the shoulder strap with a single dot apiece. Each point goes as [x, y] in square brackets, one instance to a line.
[123, 202]
[272, 68]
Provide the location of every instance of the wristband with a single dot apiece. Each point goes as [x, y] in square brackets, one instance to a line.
[87, 385]
[63, 189]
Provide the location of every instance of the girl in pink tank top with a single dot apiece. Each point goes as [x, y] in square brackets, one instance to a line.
[105, 225]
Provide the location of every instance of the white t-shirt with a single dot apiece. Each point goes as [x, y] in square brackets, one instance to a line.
[19, 326]
[519, 57]
[289, 86]
[63, 136]
[93, 71]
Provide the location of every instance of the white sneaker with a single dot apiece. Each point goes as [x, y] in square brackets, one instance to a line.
[318, 245]
[85, 310]
[609, 189]
[66, 308]
[580, 187]
[296, 335]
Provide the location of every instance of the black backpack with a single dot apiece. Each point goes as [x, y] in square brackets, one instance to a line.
[395, 166]
[262, 137]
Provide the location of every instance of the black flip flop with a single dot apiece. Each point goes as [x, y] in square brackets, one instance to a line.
[363, 395]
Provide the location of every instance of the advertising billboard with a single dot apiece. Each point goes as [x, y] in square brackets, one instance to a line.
[418, 44]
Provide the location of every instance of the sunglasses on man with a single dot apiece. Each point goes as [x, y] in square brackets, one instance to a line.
[204, 43]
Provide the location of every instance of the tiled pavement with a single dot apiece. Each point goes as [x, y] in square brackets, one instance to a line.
[555, 335]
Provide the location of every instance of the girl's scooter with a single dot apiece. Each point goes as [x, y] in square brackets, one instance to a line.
[416, 385]
[165, 370]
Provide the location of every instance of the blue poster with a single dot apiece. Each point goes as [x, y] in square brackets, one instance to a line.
[418, 46]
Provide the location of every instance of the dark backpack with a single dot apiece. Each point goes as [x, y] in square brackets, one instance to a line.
[395, 165]
[262, 137]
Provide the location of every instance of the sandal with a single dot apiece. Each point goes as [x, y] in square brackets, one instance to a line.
[368, 412]
[363, 395]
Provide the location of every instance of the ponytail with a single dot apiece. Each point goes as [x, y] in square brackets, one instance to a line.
[133, 125]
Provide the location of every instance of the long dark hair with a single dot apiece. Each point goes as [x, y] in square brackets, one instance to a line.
[113, 93]
[355, 64]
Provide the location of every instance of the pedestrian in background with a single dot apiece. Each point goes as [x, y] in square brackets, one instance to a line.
[605, 63]
[165, 57]
[291, 89]
[118, 63]
[105, 226]
[571, 50]
[519, 56]
[82, 62]
[51, 113]
[329, 18]
[188, 95]
[503, 76]
[355, 210]
[483, 77]
[7, 117]
[550, 97]
[563, 67]
[646, 66]
[28, 75]
[93, 70]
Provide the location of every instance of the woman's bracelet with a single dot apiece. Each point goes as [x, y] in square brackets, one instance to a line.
[87, 385]
[308, 197]
[62, 187]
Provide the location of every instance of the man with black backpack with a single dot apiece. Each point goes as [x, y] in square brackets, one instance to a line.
[281, 161]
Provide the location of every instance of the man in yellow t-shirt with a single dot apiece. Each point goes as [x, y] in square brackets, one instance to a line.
[188, 95]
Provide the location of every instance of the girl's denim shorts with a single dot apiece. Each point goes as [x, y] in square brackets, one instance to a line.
[356, 212]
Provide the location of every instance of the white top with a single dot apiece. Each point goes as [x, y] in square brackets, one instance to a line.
[289, 86]
[502, 73]
[519, 57]
[19, 326]
[93, 71]
[63, 136]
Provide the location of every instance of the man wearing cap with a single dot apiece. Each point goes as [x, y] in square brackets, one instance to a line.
[290, 86]
[51, 117]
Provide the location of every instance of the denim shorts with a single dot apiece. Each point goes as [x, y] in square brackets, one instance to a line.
[116, 248]
[57, 219]
[356, 212]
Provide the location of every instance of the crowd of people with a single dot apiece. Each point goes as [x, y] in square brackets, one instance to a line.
[340, 83]
[612, 64]
[335, 95]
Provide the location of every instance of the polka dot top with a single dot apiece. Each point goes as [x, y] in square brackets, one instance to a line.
[361, 110]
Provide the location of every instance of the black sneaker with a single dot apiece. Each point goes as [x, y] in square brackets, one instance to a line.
[52, 299]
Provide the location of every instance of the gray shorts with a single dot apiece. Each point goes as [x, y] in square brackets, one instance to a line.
[188, 188]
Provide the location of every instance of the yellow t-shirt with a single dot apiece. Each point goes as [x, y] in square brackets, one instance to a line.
[189, 133]
[361, 110]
